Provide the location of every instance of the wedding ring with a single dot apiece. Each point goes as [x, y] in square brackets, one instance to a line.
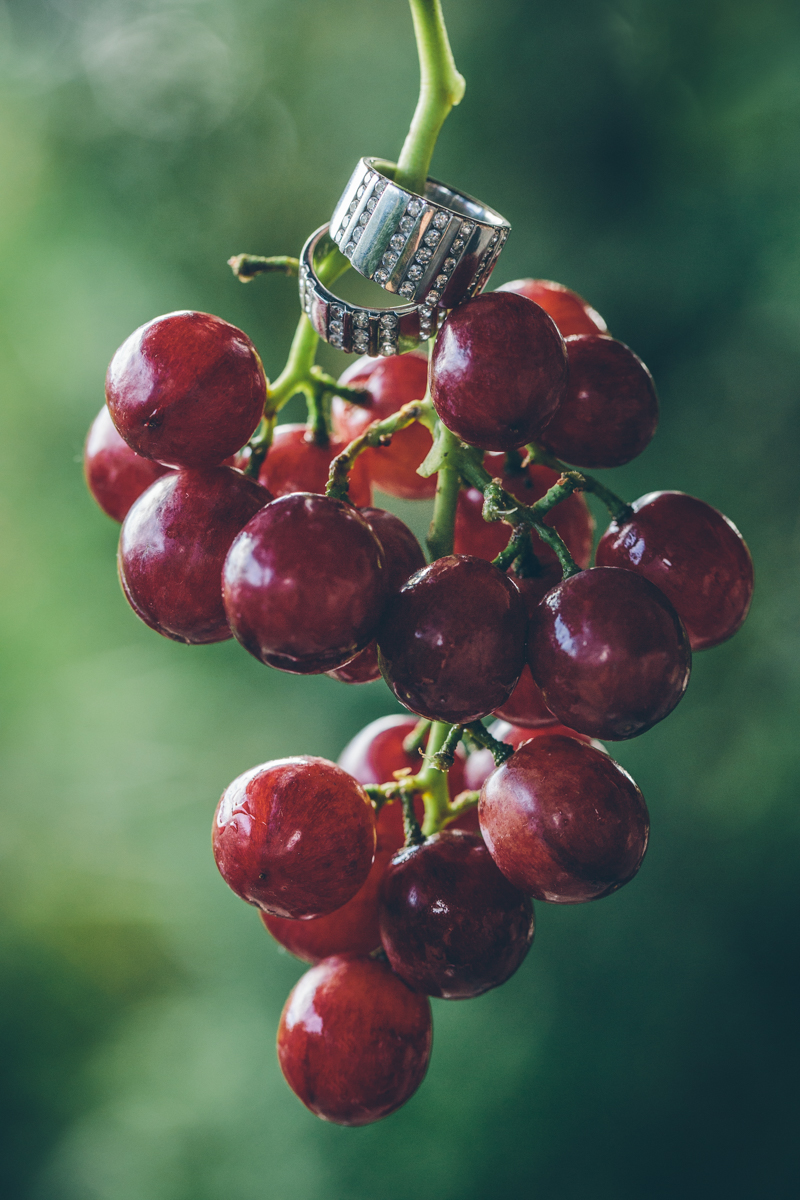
[439, 248]
[357, 330]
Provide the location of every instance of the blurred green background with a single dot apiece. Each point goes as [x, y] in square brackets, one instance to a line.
[647, 153]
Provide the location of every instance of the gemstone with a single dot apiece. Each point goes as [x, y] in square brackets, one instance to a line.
[440, 220]
[495, 238]
[381, 275]
[457, 246]
[349, 248]
[372, 204]
[361, 320]
[336, 342]
[390, 257]
[368, 178]
[449, 265]
[405, 225]
[466, 228]
[415, 271]
[440, 282]
[425, 313]
[433, 297]
[414, 208]
[389, 319]
[425, 332]
[362, 220]
[360, 192]
[423, 254]
[357, 232]
[361, 344]
[336, 327]
[353, 206]
[432, 237]
[397, 242]
[336, 312]
[380, 187]
[388, 348]
[407, 289]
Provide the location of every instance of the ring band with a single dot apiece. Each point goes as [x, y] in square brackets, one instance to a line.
[439, 248]
[357, 330]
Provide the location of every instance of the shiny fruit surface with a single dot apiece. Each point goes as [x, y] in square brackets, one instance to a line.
[609, 653]
[498, 370]
[295, 836]
[389, 384]
[451, 644]
[451, 923]
[563, 821]
[570, 311]
[187, 389]
[609, 408]
[115, 474]
[172, 546]
[571, 518]
[694, 554]
[295, 463]
[304, 584]
[354, 1041]
[403, 556]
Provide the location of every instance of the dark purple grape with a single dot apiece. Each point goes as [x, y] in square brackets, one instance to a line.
[609, 408]
[304, 584]
[570, 311]
[498, 371]
[451, 924]
[452, 642]
[609, 653]
[563, 821]
[172, 546]
[694, 554]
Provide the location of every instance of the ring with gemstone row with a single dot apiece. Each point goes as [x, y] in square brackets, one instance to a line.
[439, 248]
[355, 329]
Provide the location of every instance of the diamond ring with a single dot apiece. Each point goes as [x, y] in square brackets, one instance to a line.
[352, 328]
[439, 248]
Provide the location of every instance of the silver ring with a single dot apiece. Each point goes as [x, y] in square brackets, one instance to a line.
[439, 248]
[354, 329]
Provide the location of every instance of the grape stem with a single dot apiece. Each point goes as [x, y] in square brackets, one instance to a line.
[618, 508]
[378, 433]
[246, 266]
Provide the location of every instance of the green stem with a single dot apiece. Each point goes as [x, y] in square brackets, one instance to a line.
[501, 751]
[448, 483]
[433, 782]
[441, 87]
[619, 509]
[246, 266]
[416, 739]
[379, 433]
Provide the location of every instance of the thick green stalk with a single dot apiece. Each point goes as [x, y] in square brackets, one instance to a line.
[442, 527]
[441, 87]
[434, 782]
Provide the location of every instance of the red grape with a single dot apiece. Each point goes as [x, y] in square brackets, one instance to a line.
[451, 643]
[609, 408]
[295, 463]
[172, 546]
[354, 1041]
[390, 383]
[186, 389]
[295, 836]
[571, 518]
[403, 555]
[304, 584]
[498, 370]
[115, 474]
[563, 821]
[694, 554]
[451, 924]
[609, 652]
[570, 311]
[351, 929]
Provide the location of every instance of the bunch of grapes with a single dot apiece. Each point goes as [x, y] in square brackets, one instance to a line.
[407, 870]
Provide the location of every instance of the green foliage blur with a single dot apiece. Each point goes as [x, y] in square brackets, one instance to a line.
[647, 153]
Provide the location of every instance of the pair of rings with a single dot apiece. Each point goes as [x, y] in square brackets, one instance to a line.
[433, 252]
